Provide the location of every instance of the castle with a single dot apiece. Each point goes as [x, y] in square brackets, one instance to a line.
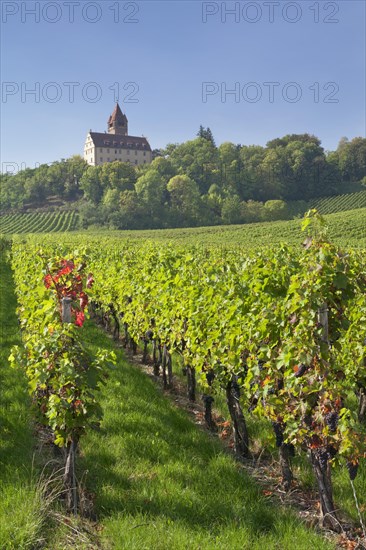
[116, 144]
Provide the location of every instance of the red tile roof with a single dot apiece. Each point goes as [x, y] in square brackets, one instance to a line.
[118, 141]
[117, 115]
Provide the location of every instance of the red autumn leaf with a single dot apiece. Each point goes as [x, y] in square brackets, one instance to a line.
[80, 318]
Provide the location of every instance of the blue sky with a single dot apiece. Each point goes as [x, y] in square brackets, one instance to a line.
[292, 67]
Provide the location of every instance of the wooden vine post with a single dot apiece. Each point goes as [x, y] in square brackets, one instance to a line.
[319, 457]
[240, 432]
[69, 477]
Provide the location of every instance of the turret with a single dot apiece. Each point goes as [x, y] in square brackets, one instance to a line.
[117, 122]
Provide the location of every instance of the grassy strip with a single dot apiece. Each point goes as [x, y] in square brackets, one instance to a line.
[21, 516]
[162, 483]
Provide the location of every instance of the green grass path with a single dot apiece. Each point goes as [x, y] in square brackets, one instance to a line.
[162, 483]
[20, 504]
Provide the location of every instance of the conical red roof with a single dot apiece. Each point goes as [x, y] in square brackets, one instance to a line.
[117, 115]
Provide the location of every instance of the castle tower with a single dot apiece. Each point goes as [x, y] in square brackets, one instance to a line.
[117, 122]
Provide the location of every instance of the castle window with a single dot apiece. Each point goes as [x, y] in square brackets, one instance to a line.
[144, 153]
[115, 151]
[128, 151]
[135, 161]
[101, 159]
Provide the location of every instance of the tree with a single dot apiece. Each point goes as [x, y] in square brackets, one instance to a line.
[205, 133]
[231, 210]
[197, 159]
[75, 168]
[252, 211]
[164, 167]
[152, 193]
[131, 214]
[292, 168]
[91, 185]
[230, 167]
[352, 159]
[118, 175]
[251, 172]
[275, 210]
[90, 214]
[184, 200]
[35, 190]
[111, 199]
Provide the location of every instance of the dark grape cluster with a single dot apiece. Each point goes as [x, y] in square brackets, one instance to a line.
[253, 403]
[290, 449]
[323, 457]
[352, 468]
[308, 419]
[332, 451]
[207, 399]
[149, 334]
[278, 430]
[331, 420]
[325, 454]
[210, 377]
[301, 370]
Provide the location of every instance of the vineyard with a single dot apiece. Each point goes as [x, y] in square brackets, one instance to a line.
[339, 203]
[346, 228]
[276, 334]
[38, 222]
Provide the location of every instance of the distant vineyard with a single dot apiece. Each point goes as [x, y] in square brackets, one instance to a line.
[340, 203]
[39, 222]
[345, 228]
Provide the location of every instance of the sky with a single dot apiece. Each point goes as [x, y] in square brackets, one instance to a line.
[250, 70]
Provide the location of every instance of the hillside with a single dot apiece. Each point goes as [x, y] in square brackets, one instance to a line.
[38, 222]
[345, 228]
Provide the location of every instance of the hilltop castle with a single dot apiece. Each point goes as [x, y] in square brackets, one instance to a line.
[116, 144]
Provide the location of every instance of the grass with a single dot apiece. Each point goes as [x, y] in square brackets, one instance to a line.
[160, 482]
[21, 515]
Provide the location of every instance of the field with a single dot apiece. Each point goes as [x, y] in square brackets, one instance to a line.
[38, 222]
[339, 203]
[345, 228]
[198, 299]
[346, 218]
[157, 480]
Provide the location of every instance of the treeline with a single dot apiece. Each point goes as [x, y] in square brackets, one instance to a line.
[196, 182]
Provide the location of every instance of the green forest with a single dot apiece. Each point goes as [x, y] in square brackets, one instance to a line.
[194, 183]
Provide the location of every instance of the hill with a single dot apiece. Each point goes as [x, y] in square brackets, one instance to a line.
[345, 228]
[39, 222]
